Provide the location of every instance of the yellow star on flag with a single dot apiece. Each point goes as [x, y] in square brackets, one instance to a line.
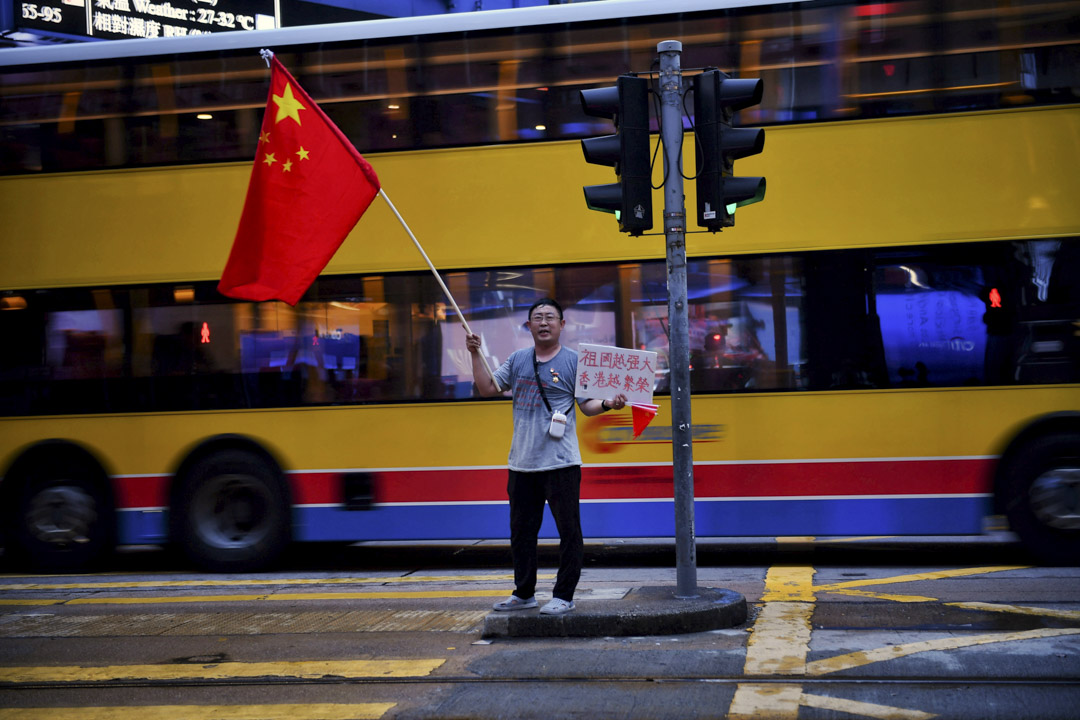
[288, 105]
[303, 153]
[270, 159]
[287, 166]
[264, 137]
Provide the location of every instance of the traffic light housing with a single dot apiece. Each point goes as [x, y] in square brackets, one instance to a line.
[719, 192]
[627, 102]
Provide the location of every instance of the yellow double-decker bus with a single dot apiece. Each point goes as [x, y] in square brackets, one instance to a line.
[889, 344]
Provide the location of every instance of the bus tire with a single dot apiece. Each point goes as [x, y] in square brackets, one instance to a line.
[59, 512]
[231, 513]
[1042, 496]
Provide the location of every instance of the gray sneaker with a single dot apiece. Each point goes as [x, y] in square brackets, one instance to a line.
[557, 606]
[515, 603]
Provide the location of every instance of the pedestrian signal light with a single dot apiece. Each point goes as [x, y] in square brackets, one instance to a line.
[999, 318]
[719, 191]
[630, 198]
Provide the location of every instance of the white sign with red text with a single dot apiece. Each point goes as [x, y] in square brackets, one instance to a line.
[605, 371]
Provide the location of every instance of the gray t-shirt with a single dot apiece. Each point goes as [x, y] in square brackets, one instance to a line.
[532, 449]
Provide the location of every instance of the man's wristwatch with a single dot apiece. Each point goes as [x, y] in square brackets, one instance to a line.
[604, 405]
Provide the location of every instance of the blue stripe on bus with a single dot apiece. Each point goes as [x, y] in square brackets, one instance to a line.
[821, 517]
[876, 516]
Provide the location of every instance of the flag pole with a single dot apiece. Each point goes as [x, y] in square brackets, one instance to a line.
[435, 272]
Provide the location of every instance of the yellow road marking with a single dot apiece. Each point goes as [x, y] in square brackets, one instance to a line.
[867, 657]
[1020, 609]
[780, 639]
[388, 595]
[854, 707]
[936, 575]
[789, 584]
[757, 701]
[319, 711]
[264, 581]
[885, 596]
[225, 670]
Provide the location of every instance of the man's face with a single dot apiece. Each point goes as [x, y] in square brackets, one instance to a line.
[545, 325]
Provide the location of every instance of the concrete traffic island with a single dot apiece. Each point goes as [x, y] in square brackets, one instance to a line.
[642, 611]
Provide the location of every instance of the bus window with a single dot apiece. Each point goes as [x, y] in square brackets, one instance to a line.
[931, 322]
[999, 314]
[745, 322]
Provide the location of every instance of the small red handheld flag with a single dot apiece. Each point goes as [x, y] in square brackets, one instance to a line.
[308, 188]
[643, 414]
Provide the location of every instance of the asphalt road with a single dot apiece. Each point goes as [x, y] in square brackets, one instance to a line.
[852, 628]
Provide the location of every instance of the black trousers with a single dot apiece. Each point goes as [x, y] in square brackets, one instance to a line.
[561, 489]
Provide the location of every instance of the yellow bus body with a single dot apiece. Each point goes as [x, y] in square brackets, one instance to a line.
[914, 180]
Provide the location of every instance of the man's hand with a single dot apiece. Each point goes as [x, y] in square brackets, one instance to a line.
[595, 407]
[485, 385]
[618, 402]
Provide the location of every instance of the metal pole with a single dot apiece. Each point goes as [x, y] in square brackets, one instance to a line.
[678, 318]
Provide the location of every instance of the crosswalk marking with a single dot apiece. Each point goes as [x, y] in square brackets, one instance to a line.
[224, 670]
[291, 597]
[601, 593]
[317, 711]
[248, 582]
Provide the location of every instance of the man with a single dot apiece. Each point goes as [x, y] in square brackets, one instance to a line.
[545, 463]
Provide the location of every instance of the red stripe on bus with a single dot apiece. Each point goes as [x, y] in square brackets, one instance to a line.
[820, 479]
[914, 477]
[141, 491]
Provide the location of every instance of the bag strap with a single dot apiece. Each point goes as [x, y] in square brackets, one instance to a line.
[540, 385]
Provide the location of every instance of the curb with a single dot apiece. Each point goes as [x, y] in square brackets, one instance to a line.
[643, 611]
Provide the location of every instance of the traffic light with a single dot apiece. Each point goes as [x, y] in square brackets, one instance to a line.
[627, 102]
[719, 192]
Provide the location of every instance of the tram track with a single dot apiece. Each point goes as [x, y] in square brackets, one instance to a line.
[958, 681]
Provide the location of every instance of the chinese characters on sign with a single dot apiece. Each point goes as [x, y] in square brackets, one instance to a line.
[118, 19]
[605, 371]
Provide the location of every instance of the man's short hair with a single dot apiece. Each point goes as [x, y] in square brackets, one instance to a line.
[545, 301]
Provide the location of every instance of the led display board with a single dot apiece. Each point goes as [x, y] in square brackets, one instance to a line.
[119, 19]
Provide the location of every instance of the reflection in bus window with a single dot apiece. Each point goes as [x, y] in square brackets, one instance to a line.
[745, 323]
[931, 323]
[84, 344]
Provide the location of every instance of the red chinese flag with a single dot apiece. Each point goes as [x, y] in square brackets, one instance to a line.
[308, 188]
[643, 413]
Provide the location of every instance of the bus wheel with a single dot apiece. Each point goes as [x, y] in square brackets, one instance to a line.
[62, 518]
[1043, 497]
[232, 513]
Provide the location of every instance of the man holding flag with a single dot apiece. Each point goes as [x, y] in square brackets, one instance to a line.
[309, 187]
[545, 462]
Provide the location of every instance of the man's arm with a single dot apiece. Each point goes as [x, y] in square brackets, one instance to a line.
[484, 384]
[593, 406]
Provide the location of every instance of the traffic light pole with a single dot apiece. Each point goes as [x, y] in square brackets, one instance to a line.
[678, 318]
